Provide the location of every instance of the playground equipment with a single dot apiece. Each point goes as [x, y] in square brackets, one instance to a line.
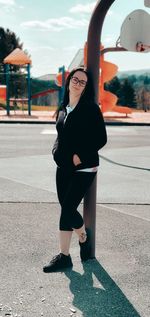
[59, 78]
[107, 72]
[2, 93]
[60, 81]
[107, 100]
[43, 93]
[17, 57]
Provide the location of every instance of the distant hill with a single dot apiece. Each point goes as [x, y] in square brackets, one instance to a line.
[134, 72]
[47, 77]
[119, 74]
[41, 84]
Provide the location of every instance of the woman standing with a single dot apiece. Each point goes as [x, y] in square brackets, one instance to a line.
[81, 134]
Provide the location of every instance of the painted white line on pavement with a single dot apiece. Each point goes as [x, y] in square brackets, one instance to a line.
[125, 213]
[118, 131]
[24, 183]
[48, 132]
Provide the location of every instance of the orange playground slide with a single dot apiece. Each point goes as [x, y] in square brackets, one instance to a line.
[107, 99]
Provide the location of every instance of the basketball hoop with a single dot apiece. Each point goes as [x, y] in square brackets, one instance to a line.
[147, 3]
[135, 35]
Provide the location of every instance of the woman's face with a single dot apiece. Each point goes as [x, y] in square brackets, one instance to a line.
[77, 83]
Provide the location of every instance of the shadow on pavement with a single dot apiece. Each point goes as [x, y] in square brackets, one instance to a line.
[103, 301]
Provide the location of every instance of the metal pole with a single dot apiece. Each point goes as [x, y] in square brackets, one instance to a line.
[7, 89]
[62, 88]
[59, 91]
[63, 80]
[59, 96]
[93, 58]
[29, 90]
[112, 49]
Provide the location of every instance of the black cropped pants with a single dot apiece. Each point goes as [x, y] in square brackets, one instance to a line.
[71, 188]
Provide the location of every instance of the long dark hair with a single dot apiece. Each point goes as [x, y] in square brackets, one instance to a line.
[88, 93]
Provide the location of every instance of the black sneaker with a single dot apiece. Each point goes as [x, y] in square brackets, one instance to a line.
[85, 249]
[58, 263]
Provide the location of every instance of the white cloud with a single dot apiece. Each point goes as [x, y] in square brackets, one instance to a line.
[80, 8]
[9, 7]
[41, 48]
[7, 2]
[109, 39]
[56, 24]
[70, 48]
[88, 8]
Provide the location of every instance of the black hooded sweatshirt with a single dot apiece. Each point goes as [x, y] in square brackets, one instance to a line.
[82, 133]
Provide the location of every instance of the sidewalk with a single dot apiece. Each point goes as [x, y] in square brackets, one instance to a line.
[136, 118]
[115, 284]
[23, 117]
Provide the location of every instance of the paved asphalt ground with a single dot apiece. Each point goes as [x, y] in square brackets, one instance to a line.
[117, 282]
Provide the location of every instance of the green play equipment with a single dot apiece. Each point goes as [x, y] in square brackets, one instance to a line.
[17, 57]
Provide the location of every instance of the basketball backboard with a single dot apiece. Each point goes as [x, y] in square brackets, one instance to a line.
[135, 35]
[147, 3]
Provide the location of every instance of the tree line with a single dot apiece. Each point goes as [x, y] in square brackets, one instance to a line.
[132, 91]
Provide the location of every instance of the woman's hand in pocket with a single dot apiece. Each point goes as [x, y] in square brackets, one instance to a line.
[76, 160]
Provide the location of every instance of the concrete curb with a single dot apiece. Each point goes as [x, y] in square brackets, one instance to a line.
[26, 122]
[108, 123]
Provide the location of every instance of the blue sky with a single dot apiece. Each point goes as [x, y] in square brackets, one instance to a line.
[53, 31]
